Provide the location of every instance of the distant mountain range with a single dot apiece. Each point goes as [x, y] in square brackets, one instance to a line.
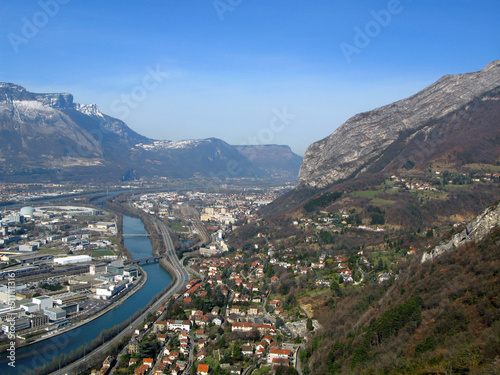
[275, 160]
[454, 121]
[48, 137]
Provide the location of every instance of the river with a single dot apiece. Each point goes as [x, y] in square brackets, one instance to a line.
[38, 354]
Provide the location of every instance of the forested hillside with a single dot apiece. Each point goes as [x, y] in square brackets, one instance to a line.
[440, 317]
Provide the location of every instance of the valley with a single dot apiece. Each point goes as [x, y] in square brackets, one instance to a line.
[377, 253]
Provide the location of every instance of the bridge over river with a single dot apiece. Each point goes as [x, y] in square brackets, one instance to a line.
[153, 259]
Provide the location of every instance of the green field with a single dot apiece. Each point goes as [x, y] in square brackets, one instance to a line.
[179, 227]
[386, 256]
[367, 193]
[263, 370]
[101, 253]
[372, 194]
[483, 167]
[380, 201]
[52, 251]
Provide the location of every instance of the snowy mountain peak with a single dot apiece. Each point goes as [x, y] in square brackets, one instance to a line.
[89, 109]
[166, 144]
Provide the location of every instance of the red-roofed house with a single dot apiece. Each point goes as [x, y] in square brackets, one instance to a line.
[275, 353]
[132, 361]
[162, 337]
[141, 370]
[279, 362]
[203, 369]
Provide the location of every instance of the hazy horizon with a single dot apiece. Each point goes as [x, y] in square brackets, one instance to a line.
[225, 69]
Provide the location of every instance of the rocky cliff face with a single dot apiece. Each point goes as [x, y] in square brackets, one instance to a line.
[475, 231]
[364, 137]
[34, 122]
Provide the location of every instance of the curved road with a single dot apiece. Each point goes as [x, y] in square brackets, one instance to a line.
[181, 279]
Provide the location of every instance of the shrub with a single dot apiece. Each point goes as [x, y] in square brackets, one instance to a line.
[322, 201]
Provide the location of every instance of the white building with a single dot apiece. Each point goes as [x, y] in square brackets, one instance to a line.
[55, 313]
[28, 248]
[16, 326]
[73, 259]
[275, 353]
[30, 307]
[27, 211]
[44, 302]
[183, 325]
[111, 290]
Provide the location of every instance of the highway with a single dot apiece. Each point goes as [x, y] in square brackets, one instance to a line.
[181, 273]
[181, 277]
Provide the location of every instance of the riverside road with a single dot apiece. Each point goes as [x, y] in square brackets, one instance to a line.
[181, 277]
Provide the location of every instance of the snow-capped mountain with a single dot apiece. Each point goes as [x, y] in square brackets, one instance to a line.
[49, 137]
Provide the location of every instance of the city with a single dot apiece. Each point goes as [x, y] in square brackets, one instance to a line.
[70, 266]
[235, 187]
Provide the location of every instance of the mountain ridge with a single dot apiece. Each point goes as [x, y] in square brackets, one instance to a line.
[47, 136]
[363, 137]
[278, 160]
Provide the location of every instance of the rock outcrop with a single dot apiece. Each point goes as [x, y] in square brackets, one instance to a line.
[475, 231]
[364, 137]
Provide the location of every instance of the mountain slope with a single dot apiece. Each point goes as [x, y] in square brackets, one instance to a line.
[437, 317]
[48, 137]
[276, 160]
[465, 142]
[210, 157]
[362, 139]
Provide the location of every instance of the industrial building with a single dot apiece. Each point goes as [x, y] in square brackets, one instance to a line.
[110, 291]
[31, 307]
[7, 313]
[73, 259]
[27, 211]
[18, 325]
[69, 297]
[28, 248]
[77, 287]
[27, 259]
[97, 268]
[115, 268]
[38, 320]
[55, 313]
[131, 271]
[44, 302]
[71, 308]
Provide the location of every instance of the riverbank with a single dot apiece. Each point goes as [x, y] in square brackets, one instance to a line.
[111, 306]
[179, 277]
[120, 203]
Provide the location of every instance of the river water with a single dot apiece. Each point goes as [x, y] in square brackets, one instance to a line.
[38, 354]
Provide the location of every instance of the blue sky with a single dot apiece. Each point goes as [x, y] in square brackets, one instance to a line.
[246, 71]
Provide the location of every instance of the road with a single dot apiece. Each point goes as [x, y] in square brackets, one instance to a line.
[191, 359]
[181, 272]
[267, 316]
[181, 279]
